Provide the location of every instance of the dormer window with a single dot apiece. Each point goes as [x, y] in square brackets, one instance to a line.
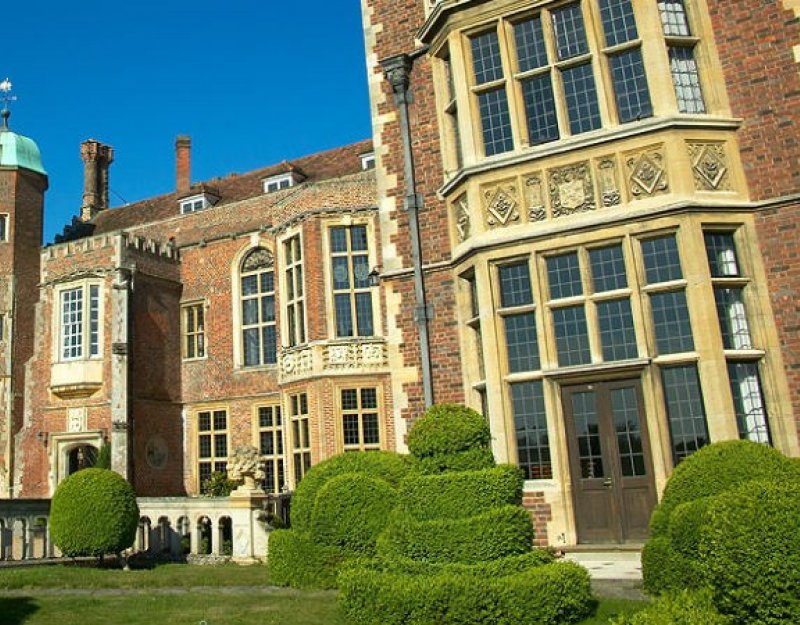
[276, 183]
[368, 161]
[196, 203]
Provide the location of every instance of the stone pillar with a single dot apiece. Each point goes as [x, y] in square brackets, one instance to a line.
[194, 528]
[120, 344]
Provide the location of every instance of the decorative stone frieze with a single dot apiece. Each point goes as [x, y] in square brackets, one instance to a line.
[462, 219]
[324, 358]
[608, 181]
[647, 172]
[534, 195]
[501, 203]
[709, 166]
[571, 189]
[297, 362]
[76, 420]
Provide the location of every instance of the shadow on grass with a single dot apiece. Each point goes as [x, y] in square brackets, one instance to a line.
[16, 610]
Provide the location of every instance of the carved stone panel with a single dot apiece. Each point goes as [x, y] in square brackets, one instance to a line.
[571, 189]
[608, 181]
[76, 419]
[501, 204]
[709, 166]
[534, 195]
[296, 362]
[647, 172]
[462, 219]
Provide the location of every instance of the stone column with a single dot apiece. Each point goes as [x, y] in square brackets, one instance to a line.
[120, 344]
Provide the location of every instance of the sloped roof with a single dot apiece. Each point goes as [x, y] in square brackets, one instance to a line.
[322, 166]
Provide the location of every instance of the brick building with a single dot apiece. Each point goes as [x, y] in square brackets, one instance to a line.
[581, 222]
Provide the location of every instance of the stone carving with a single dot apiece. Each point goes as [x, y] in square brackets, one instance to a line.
[342, 356]
[76, 419]
[709, 166]
[571, 189]
[259, 258]
[461, 207]
[296, 363]
[245, 464]
[354, 355]
[501, 204]
[608, 182]
[647, 172]
[534, 188]
[372, 354]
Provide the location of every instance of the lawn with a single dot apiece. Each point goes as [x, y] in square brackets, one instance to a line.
[176, 595]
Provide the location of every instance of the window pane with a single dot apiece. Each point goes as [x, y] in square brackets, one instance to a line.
[369, 398]
[581, 97]
[721, 251]
[625, 409]
[349, 399]
[661, 260]
[270, 345]
[220, 445]
[495, 121]
[732, 318]
[205, 446]
[673, 18]
[590, 454]
[94, 320]
[617, 335]
[268, 308]
[249, 285]
[685, 412]
[341, 273]
[344, 316]
[515, 285]
[529, 38]
[671, 322]
[570, 32]
[364, 314]
[358, 237]
[608, 268]
[250, 311]
[619, 24]
[564, 276]
[540, 109]
[530, 424]
[265, 416]
[350, 429]
[523, 349]
[267, 282]
[751, 415]
[572, 339]
[204, 421]
[486, 58]
[251, 351]
[338, 239]
[686, 80]
[371, 432]
[220, 419]
[361, 271]
[630, 86]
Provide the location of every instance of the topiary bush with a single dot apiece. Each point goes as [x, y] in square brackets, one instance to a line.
[488, 569]
[351, 510]
[93, 512]
[298, 561]
[751, 548]
[450, 437]
[496, 533]
[687, 523]
[664, 569]
[460, 495]
[681, 608]
[386, 465]
[555, 593]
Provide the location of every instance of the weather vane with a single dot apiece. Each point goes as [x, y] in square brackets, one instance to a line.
[6, 97]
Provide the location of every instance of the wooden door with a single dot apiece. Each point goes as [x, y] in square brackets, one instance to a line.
[610, 461]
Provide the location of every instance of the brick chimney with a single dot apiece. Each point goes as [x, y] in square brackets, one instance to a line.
[183, 162]
[97, 158]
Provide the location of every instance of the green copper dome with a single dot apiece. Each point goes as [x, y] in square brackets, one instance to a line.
[20, 152]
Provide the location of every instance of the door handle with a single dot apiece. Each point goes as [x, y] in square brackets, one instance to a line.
[608, 482]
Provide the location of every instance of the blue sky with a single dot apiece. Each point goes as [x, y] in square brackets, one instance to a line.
[253, 82]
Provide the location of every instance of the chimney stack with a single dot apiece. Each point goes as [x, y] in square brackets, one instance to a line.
[97, 158]
[183, 158]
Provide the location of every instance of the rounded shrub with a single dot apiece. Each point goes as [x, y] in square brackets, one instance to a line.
[450, 437]
[93, 512]
[664, 569]
[556, 593]
[723, 466]
[388, 466]
[751, 547]
[686, 526]
[681, 608]
[493, 534]
[458, 495]
[490, 569]
[351, 510]
[295, 560]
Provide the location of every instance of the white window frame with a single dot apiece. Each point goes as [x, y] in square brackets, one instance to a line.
[87, 347]
[196, 203]
[367, 161]
[197, 335]
[278, 183]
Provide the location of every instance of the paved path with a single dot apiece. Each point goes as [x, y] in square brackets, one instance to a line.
[616, 574]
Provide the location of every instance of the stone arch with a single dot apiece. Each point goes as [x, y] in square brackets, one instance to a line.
[225, 536]
[144, 534]
[205, 542]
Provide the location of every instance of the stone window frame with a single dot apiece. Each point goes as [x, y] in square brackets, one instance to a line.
[298, 432]
[277, 430]
[297, 335]
[198, 338]
[88, 344]
[359, 411]
[216, 461]
[237, 266]
[462, 133]
[278, 182]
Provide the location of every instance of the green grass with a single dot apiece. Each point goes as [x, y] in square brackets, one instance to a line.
[177, 594]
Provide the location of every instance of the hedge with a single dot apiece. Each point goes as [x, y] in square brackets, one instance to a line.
[501, 567]
[297, 561]
[351, 510]
[556, 593]
[462, 494]
[469, 460]
[494, 534]
[686, 526]
[723, 466]
[682, 608]
[664, 569]
[93, 512]
[751, 548]
[446, 429]
[389, 466]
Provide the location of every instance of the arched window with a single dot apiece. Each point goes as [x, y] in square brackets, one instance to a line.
[258, 309]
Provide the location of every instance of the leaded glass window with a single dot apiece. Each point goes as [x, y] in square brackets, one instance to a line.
[257, 293]
[352, 292]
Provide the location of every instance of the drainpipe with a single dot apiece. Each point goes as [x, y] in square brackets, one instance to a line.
[397, 70]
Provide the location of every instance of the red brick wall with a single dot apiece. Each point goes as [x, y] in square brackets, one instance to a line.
[756, 43]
